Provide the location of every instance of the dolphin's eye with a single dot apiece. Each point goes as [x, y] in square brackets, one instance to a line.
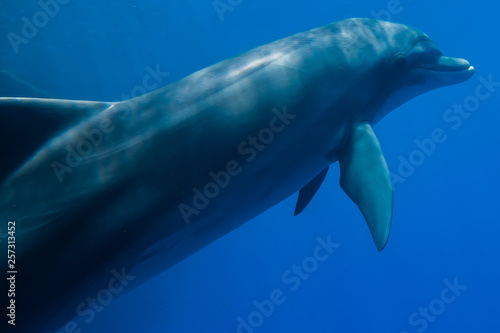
[431, 54]
[401, 61]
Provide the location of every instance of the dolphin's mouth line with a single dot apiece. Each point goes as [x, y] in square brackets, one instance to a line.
[448, 64]
[443, 71]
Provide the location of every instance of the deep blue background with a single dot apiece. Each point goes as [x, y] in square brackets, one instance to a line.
[446, 219]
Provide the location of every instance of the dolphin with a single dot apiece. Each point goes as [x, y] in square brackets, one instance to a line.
[104, 196]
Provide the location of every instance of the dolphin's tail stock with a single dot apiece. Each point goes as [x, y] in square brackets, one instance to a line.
[26, 126]
[27, 123]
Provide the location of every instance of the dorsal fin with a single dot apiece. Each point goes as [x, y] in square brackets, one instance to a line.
[27, 123]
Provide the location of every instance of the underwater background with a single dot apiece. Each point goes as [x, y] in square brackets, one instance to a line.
[440, 271]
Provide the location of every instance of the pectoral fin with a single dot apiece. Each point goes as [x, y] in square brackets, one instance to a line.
[365, 178]
[307, 192]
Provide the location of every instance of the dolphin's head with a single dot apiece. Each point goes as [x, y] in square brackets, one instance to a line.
[410, 64]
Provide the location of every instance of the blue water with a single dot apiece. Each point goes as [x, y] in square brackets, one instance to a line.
[446, 221]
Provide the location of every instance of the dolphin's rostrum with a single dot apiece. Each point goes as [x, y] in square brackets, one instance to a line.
[98, 187]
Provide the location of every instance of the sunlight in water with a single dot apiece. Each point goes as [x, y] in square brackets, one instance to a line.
[255, 64]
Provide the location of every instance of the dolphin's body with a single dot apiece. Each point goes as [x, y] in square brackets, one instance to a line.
[131, 188]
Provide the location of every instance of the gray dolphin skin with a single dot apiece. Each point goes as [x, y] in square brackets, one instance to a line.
[105, 196]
